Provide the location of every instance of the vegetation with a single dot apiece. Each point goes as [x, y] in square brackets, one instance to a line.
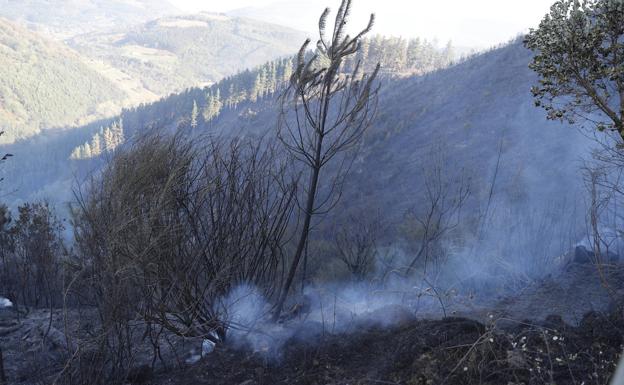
[580, 61]
[45, 85]
[200, 217]
[174, 53]
[331, 113]
[32, 256]
[63, 19]
[267, 81]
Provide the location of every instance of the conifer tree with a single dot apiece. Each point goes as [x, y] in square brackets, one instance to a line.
[109, 140]
[96, 145]
[86, 151]
[194, 114]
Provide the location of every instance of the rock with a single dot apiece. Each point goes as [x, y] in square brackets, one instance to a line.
[54, 338]
[4, 303]
[582, 255]
[6, 330]
[555, 322]
[8, 315]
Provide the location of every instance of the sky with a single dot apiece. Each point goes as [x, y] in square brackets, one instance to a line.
[469, 23]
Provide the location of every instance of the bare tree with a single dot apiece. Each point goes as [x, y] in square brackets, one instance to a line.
[356, 243]
[438, 212]
[325, 112]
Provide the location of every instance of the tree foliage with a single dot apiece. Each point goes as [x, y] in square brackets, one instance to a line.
[579, 57]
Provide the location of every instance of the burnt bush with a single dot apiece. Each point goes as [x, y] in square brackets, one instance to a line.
[168, 230]
[32, 256]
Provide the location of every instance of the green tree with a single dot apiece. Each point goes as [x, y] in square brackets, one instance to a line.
[579, 57]
[194, 114]
[96, 145]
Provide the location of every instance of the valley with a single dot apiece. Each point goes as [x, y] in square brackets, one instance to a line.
[199, 193]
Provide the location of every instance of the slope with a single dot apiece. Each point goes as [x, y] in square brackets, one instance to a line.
[475, 110]
[63, 19]
[44, 84]
[173, 53]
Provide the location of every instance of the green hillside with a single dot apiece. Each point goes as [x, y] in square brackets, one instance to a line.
[174, 53]
[43, 84]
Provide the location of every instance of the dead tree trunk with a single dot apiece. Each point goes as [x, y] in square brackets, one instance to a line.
[328, 112]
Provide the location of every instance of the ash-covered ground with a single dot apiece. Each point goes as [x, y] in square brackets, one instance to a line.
[564, 329]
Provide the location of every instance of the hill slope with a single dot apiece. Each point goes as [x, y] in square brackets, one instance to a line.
[66, 18]
[474, 109]
[43, 84]
[174, 53]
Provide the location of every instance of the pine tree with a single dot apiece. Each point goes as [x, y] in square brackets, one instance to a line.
[118, 133]
[194, 113]
[86, 151]
[96, 145]
[217, 104]
[414, 49]
[77, 153]
[288, 71]
[109, 140]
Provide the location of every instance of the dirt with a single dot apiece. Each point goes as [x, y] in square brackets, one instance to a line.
[564, 329]
[449, 351]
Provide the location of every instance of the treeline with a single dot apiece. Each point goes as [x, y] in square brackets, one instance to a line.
[104, 141]
[399, 56]
[197, 107]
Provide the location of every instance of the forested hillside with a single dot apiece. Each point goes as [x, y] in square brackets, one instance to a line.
[43, 84]
[481, 103]
[174, 53]
[63, 19]
[465, 107]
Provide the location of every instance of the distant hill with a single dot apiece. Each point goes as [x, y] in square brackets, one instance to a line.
[284, 12]
[173, 53]
[44, 84]
[62, 19]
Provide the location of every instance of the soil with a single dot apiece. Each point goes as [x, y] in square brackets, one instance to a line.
[448, 351]
[565, 329]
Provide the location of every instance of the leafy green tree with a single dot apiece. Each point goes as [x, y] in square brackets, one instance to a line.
[579, 57]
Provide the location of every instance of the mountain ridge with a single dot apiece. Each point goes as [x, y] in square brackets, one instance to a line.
[63, 19]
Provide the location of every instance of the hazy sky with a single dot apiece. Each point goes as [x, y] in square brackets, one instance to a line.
[467, 22]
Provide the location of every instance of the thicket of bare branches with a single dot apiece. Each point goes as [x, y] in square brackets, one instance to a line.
[172, 226]
[32, 256]
[185, 225]
[445, 190]
[356, 243]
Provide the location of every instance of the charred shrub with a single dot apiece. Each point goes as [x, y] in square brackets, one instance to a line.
[32, 256]
[170, 227]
